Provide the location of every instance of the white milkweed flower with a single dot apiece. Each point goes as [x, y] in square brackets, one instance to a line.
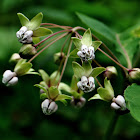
[9, 78]
[24, 35]
[86, 53]
[118, 103]
[86, 84]
[49, 107]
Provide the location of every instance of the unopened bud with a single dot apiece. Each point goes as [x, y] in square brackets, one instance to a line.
[119, 101]
[9, 78]
[49, 107]
[110, 72]
[59, 58]
[134, 75]
[14, 58]
[27, 50]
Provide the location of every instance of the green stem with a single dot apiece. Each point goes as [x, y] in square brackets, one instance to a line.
[65, 63]
[51, 36]
[111, 127]
[61, 36]
[113, 60]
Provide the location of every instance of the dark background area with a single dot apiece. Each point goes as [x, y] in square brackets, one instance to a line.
[21, 117]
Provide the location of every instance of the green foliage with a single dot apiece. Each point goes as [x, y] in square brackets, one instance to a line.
[132, 97]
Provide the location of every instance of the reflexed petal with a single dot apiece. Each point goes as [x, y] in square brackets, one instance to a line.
[13, 81]
[8, 74]
[115, 106]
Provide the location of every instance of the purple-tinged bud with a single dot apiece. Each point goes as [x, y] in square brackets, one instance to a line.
[78, 103]
[110, 72]
[134, 75]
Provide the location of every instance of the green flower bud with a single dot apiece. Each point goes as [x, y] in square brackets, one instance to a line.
[14, 58]
[27, 50]
[110, 72]
[134, 75]
[59, 57]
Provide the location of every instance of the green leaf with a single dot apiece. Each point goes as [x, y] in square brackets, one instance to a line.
[41, 31]
[32, 71]
[74, 82]
[23, 19]
[41, 87]
[87, 38]
[87, 68]
[77, 42]
[36, 40]
[96, 96]
[132, 98]
[98, 27]
[96, 71]
[44, 76]
[54, 78]
[63, 97]
[108, 86]
[78, 70]
[35, 21]
[96, 44]
[73, 54]
[104, 94]
[53, 92]
[43, 96]
[65, 87]
[22, 67]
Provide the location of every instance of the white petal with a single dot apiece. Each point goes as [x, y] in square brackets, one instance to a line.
[13, 81]
[23, 29]
[45, 103]
[84, 79]
[115, 106]
[28, 34]
[91, 48]
[84, 47]
[29, 40]
[51, 107]
[55, 109]
[120, 100]
[91, 79]
[79, 53]
[79, 84]
[7, 75]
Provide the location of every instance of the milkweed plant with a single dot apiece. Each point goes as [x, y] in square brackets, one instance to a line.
[86, 44]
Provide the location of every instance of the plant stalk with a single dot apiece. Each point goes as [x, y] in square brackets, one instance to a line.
[61, 36]
[111, 127]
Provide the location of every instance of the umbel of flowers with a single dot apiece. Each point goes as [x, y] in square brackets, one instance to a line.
[51, 87]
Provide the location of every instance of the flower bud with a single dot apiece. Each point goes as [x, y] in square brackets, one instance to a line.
[110, 72]
[9, 78]
[59, 57]
[49, 107]
[27, 50]
[78, 103]
[119, 101]
[134, 75]
[14, 58]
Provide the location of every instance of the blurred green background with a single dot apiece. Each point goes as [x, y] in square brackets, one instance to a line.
[21, 117]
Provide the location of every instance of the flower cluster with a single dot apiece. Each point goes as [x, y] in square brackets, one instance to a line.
[86, 84]
[24, 35]
[86, 53]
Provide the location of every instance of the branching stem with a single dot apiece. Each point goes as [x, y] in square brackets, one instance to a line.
[61, 36]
